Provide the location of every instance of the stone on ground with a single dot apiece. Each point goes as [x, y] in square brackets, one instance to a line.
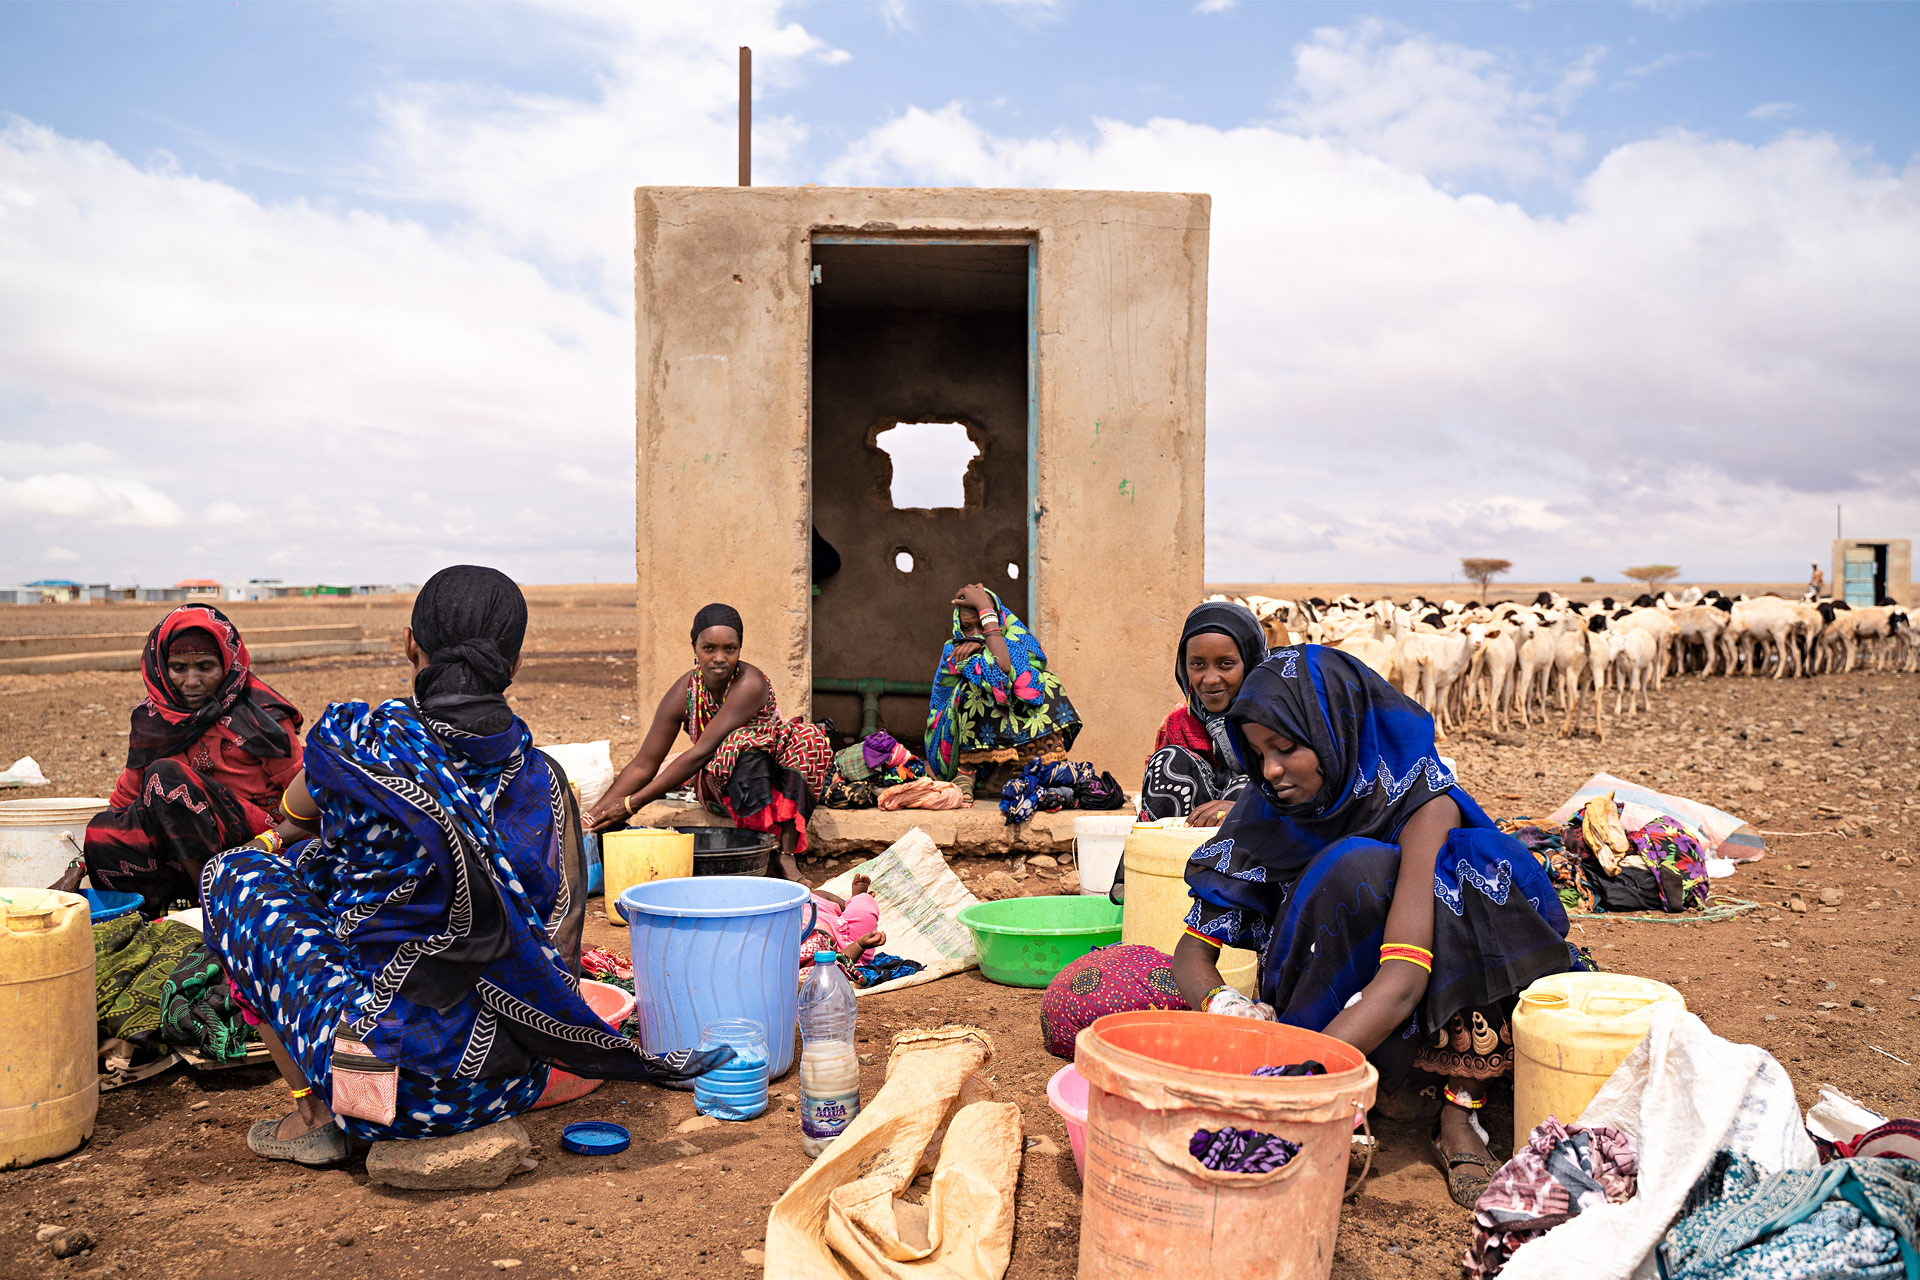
[476, 1161]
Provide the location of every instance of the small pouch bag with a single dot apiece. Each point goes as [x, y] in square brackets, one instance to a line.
[364, 1087]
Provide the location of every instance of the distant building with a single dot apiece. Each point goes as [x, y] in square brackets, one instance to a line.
[1869, 571]
[158, 595]
[67, 591]
[198, 589]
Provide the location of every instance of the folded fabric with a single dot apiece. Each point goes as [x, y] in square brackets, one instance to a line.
[156, 982]
[853, 764]
[1057, 784]
[601, 964]
[878, 748]
[1852, 1218]
[922, 793]
[842, 793]
[879, 967]
[1561, 1171]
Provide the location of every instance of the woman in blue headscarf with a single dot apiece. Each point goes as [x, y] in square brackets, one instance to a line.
[416, 968]
[1387, 909]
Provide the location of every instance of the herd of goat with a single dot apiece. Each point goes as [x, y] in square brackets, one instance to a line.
[1507, 658]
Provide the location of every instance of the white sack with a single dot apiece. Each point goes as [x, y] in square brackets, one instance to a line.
[920, 901]
[1682, 1094]
[588, 766]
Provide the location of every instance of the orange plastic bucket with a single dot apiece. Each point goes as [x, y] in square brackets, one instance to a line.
[1150, 1208]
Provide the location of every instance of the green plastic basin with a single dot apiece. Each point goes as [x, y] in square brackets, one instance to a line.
[1023, 942]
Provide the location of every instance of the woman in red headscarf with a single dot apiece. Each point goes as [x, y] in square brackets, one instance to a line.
[210, 753]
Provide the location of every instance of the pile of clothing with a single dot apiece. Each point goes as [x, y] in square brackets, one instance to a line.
[879, 772]
[1857, 1217]
[156, 985]
[1045, 786]
[1562, 1170]
[1597, 865]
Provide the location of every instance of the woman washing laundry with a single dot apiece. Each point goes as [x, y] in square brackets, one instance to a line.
[1192, 772]
[763, 772]
[209, 754]
[995, 705]
[415, 969]
[1386, 908]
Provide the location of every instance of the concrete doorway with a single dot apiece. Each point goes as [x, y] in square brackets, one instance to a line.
[922, 423]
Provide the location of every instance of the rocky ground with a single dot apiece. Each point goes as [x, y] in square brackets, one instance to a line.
[167, 1187]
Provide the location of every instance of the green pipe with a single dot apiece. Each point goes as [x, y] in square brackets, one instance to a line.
[870, 690]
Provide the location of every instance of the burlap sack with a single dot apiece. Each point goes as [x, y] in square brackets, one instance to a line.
[843, 1218]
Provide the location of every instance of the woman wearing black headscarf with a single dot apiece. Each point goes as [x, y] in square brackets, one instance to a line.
[1192, 772]
[746, 763]
[416, 969]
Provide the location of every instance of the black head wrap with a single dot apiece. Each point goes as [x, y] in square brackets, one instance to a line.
[718, 615]
[1219, 617]
[470, 622]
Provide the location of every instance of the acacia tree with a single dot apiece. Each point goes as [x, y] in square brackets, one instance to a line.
[1652, 574]
[1483, 571]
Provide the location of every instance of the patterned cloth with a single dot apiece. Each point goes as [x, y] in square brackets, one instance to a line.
[1665, 868]
[766, 774]
[1180, 780]
[156, 844]
[1231, 1150]
[978, 707]
[1560, 1172]
[1192, 762]
[1851, 1218]
[1474, 1044]
[1112, 979]
[259, 720]
[155, 982]
[1052, 786]
[1309, 886]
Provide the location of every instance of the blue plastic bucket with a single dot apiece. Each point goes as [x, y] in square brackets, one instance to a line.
[110, 904]
[712, 947]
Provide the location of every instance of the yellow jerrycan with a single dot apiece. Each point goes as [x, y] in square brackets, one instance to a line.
[639, 855]
[1570, 1030]
[1155, 902]
[49, 1084]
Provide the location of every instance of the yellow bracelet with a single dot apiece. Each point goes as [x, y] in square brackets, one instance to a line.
[1406, 951]
[270, 841]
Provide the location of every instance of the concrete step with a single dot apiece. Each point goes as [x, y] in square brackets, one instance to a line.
[981, 831]
[117, 641]
[129, 659]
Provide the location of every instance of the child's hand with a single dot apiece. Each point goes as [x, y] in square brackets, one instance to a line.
[871, 942]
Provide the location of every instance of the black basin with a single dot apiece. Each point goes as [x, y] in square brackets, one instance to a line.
[730, 851]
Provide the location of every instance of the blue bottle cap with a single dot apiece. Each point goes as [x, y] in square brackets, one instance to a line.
[826, 957]
[595, 1138]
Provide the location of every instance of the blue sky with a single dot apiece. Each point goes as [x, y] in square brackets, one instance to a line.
[1580, 284]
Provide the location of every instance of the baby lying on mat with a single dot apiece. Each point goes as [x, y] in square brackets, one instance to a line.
[848, 928]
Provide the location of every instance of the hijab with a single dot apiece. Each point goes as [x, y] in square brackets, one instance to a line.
[163, 725]
[470, 622]
[1236, 623]
[1378, 761]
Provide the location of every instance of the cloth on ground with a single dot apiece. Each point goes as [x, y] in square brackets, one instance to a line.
[1231, 1150]
[155, 982]
[1112, 979]
[1682, 1095]
[1722, 834]
[1852, 1218]
[1561, 1172]
[922, 793]
[1598, 864]
[977, 706]
[1054, 786]
[920, 899]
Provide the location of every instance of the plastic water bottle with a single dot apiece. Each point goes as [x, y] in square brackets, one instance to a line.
[737, 1091]
[829, 1066]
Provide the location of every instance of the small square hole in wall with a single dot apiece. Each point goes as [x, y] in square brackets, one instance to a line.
[930, 461]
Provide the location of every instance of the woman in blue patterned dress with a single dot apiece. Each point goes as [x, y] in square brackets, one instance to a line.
[1354, 850]
[416, 968]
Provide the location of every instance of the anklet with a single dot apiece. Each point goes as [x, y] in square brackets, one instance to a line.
[1466, 1100]
[301, 1093]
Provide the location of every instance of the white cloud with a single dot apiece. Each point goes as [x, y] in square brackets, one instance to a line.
[1214, 6]
[91, 499]
[1431, 107]
[1774, 111]
[59, 555]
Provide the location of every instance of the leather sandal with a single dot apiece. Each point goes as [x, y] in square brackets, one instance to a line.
[316, 1148]
[1468, 1172]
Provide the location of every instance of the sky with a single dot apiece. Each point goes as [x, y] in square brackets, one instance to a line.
[344, 292]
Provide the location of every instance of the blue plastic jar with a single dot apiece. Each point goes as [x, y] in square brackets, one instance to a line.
[737, 1091]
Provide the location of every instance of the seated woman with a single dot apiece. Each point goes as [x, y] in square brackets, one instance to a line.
[995, 705]
[415, 969]
[1387, 909]
[763, 772]
[210, 752]
[1192, 772]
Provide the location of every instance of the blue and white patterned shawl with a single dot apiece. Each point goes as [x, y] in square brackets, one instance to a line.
[441, 864]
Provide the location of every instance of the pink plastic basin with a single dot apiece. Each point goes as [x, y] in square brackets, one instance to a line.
[1067, 1091]
[613, 1005]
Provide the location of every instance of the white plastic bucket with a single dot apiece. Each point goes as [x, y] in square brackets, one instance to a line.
[1098, 843]
[38, 838]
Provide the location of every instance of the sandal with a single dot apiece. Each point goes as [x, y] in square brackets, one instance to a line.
[1468, 1172]
[315, 1148]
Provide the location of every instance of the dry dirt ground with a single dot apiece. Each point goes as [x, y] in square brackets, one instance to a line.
[168, 1188]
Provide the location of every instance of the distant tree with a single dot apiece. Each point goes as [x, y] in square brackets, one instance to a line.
[1483, 571]
[1586, 577]
[1653, 574]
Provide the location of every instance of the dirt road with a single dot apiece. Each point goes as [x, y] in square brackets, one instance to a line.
[170, 1190]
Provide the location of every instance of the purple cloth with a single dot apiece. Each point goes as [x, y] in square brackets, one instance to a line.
[877, 748]
[1232, 1150]
[1307, 1068]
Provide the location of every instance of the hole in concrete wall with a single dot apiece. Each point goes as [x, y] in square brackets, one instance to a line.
[930, 461]
[903, 560]
[1013, 571]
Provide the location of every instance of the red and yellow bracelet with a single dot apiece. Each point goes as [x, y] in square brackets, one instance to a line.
[1215, 943]
[1408, 952]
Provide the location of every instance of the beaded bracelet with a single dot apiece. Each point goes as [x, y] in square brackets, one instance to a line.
[301, 1093]
[1207, 999]
[1465, 1100]
[1408, 952]
[270, 841]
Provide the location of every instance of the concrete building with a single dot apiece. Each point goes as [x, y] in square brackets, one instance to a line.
[1868, 571]
[783, 332]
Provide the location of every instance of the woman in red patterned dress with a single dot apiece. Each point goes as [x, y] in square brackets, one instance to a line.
[746, 762]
